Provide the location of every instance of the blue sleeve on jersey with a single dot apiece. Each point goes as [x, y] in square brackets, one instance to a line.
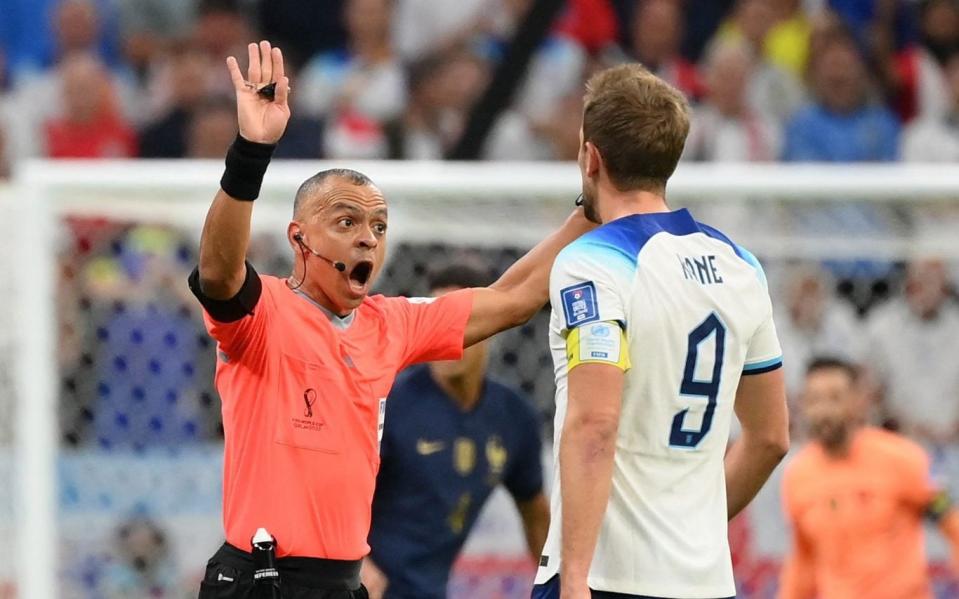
[764, 366]
[754, 262]
[525, 477]
[605, 250]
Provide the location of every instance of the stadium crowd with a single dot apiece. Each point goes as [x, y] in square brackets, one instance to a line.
[831, 80]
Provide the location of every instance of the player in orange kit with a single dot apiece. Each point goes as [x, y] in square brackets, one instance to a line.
[856, 497]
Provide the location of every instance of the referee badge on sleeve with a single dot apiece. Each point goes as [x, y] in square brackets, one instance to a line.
[579, 304]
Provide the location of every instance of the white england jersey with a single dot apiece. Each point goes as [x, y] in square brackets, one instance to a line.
[697, 316]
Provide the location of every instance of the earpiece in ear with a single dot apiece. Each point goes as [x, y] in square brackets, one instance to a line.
[298, 237]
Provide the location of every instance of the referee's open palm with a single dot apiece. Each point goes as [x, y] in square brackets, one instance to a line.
[261, 120]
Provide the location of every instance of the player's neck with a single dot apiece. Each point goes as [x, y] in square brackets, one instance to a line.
[465, 390]
[839, 446]
[616, 204]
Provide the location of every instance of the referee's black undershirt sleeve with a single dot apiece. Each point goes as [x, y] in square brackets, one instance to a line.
[235, 308]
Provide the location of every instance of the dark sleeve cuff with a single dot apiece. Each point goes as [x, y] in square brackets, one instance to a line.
[235, 308]
[522, 495]
[763, 367]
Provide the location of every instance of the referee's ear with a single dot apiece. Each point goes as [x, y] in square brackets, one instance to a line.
[294, 234]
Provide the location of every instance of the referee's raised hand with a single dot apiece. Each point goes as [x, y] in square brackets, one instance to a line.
[262, 119]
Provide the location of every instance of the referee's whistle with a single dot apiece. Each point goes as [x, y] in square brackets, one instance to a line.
[266, 576]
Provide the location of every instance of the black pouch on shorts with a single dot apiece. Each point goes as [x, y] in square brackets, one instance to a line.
[224, 582]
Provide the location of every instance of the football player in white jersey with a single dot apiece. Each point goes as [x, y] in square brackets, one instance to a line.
[661, 329]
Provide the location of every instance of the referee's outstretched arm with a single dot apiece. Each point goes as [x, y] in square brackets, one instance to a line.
[263, 112]
[523, 289]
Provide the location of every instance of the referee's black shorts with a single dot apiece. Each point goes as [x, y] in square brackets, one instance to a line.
[229, 575]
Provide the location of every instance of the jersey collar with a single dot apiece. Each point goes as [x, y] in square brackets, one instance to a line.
[340, 322]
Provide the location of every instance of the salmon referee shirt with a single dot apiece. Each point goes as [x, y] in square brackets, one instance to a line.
[303, 396]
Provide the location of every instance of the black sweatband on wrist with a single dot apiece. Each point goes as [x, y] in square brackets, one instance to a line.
[246, 163]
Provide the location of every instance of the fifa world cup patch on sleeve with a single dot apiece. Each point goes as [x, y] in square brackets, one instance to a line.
[579, 304]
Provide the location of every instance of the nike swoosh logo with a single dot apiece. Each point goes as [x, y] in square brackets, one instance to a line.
[424, 447]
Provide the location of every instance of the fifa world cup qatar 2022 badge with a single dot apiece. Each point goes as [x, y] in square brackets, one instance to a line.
[579, 304]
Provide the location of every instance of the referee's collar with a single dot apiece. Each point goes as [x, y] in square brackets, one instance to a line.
[340, 322]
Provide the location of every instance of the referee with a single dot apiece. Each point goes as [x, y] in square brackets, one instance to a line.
[305, 363]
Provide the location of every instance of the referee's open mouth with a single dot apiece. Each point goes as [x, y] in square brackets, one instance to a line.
[360, 276]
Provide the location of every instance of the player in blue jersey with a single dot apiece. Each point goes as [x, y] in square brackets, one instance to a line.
[452, 436]
[661, 328]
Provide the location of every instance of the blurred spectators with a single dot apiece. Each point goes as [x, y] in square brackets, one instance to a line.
[910, 345]
[222, 29]
[442, 87]
[77, 25]
[91, 125]
[787, 41]
[936, 138]
[825, 28]
[424, 27]
[442, 90]
[302, 29]
[36, 33]
[842, 124]
[703, 18]
[657, 34]
[915, 76]
[812, 321]
[556, 68]
[186, 83]
[39, 95]
[772, 90]
[725, 126]
[877, 25]
[357, 88]
[143, 566]
[353, 90]
[591, 23]
[148, 27]
[212, 129]
[559, 132]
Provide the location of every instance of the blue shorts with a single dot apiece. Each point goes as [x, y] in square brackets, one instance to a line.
[550, 590]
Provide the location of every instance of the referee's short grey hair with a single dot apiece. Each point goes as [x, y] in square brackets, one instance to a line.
[308, 187]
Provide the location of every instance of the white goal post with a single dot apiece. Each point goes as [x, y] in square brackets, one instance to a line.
[777, 211]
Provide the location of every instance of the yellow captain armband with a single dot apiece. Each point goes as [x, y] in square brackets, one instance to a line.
[597, 343]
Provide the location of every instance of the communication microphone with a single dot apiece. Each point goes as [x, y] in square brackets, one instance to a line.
[340, 266]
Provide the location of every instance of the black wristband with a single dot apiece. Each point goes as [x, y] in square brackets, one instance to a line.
[246, 163]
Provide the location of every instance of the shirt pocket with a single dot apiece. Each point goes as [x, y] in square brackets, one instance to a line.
[310, 411]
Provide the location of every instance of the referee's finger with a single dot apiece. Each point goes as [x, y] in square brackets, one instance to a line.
[278, 70]
[253, 72]
[235, 73]
[266, 64]
[282, 91]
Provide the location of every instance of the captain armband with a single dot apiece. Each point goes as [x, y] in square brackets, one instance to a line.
[598, 343]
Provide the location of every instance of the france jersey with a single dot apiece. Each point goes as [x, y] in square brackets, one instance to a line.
[685, 311]
[439, 466]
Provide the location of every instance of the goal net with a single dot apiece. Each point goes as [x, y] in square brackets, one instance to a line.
[110, 432]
